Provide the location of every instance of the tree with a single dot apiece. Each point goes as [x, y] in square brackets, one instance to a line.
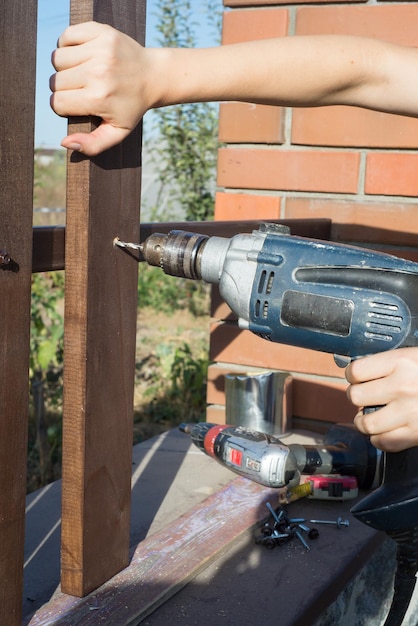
[184, 148]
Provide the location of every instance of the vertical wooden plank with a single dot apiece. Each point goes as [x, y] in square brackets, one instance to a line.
[100, 327]
[17, 110]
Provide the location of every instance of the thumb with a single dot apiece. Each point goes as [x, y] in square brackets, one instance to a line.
[91, 144]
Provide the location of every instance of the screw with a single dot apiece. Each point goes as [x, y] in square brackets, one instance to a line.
[277, 518]
[277, 535]
[301, 539]
[4, 258]
[269, 543]
[266, 530]
[339, 522]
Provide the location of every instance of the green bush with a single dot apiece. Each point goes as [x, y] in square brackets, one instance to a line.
[184, 140]
[45, 370]
[177, 387]
[47, 325]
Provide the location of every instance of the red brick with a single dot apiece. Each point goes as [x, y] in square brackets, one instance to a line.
[353, 127]
[228, 344]
[248, 3]
[218, 309]
[254, 24]
[375, 222]
[396, 23]
[250, 123]
[292, 170]
[242, 206]
[215, 414]
[216, 382]
[322, 400]
[392, 174]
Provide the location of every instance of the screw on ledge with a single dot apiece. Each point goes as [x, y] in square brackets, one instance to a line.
[339, 522]
[277, 517]
[301, 539]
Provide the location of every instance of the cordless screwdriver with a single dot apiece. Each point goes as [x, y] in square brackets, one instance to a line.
[268, 461]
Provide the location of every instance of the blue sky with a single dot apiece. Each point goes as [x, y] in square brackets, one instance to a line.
[52, 20]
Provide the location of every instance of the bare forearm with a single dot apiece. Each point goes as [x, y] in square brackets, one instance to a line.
[104, 73]
[293, 71]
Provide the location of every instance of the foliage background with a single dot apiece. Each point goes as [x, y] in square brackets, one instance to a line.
[172, 344]
[183, 139]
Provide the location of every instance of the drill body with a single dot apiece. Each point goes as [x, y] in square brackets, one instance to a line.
[325, 296]
[330, 297]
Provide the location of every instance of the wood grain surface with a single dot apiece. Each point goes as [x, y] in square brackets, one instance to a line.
[17, 111]
[103, 197]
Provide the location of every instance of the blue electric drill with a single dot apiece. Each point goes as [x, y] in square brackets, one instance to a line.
[340, 299]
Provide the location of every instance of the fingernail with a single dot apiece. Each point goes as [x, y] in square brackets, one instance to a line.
[74, 146]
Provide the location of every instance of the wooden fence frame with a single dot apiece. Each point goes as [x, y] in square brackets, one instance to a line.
[103, 201]
[100, 317]
[17, 111]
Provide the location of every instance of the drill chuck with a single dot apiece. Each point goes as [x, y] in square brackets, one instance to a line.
[178, 253]
[197, 433]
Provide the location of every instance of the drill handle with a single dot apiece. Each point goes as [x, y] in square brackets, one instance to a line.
[371, 409]
[394, 505]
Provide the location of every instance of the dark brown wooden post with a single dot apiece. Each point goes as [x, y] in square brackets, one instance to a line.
[17, 113]
[100, 327]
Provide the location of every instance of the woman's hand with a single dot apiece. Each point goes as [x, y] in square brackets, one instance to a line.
[388, 379]
[100, 72]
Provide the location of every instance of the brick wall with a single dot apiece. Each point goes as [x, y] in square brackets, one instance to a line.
[357, 167]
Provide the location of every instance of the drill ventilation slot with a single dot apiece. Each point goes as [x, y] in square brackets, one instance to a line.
[265, 286]
[265, 283]
[383, 322]
[261, 309]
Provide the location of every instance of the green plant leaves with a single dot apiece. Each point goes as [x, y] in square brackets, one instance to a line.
[184, 143]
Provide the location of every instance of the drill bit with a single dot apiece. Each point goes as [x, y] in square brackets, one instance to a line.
[126, 244]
